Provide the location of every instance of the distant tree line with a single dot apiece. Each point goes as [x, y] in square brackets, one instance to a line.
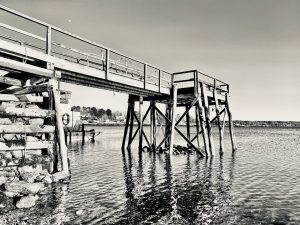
[96, 113]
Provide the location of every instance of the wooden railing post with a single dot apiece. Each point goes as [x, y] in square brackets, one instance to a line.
[159, 80]
[107, 55]
[48, 40]
[145, 75]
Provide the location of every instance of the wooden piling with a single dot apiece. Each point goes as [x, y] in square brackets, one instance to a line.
[197, 126]
[207, 118]
[141, 124]
[168, 125]
[83, 133]
[187, 119]
[231, 131]
[203, 127]
[60, 128]
[217, 110]
[131, 104]
[126, 124]
[174, 104]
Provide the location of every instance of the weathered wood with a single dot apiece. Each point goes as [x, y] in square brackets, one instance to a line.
[31, 89]
[231, 130]
[197, 126]
[207, 118]
[19, 66]
[28, 129]
[17, 145]
[128, 114]
[154, 126]
[8, 98]
[11, 81]
[26, 112]
[203, 127]
[141, 124]
[30, 98]
[60, 128]
[187, 118]
[131, 104]
[217, 109]
[174, 104]
[20, 98]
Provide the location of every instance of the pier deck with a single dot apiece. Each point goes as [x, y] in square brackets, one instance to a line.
[38, 58]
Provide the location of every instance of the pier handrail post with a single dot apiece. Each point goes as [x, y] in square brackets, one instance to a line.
[145, 75]
[107, 55]
[48, 40]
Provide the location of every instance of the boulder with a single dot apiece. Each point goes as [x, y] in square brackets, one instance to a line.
[29, 173]
[32, 138]
[3, 180]
[45, 178]
[59, 176]
[5, 121]
[10, 194]
[36, 121]
[7, 155]
[24, 187]
[17, 154]
[8, 137]
[27, 201]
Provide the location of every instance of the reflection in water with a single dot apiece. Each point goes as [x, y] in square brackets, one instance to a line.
[259, 184]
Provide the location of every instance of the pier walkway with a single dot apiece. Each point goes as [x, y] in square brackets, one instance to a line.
[42, 55]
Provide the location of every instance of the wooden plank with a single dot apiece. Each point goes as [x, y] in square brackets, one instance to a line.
[20, 98]
[20, 66]
[31, 89]
[11, 81]
[8, 98]
[27, 112]
[28, 129]
[17, 145]
[30, 98]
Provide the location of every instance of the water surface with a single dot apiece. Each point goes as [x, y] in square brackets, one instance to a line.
[259, 184]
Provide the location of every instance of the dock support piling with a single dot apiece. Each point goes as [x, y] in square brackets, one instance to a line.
[141, 123]
[217, 109]
[126, 125]
[207, 118]
[174, 104]
[187, 119]
[231, 131]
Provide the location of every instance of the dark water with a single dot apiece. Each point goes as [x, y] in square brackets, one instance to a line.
[259, 184]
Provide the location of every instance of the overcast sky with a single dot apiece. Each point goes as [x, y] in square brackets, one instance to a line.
[254, 45]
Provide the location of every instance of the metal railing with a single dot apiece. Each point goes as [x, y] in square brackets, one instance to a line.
[105, 59]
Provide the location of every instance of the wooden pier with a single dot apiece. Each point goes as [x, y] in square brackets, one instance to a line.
[35, 65]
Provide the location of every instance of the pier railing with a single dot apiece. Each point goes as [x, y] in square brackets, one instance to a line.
[192, 78]
[56, 42]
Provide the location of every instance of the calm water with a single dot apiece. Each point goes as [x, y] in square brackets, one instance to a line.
[259, 184]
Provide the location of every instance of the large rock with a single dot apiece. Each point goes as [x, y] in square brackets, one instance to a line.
[24, 187]
[27, 201]
[29, 173]
[36, 121]
[5, 121]
[3, 180]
